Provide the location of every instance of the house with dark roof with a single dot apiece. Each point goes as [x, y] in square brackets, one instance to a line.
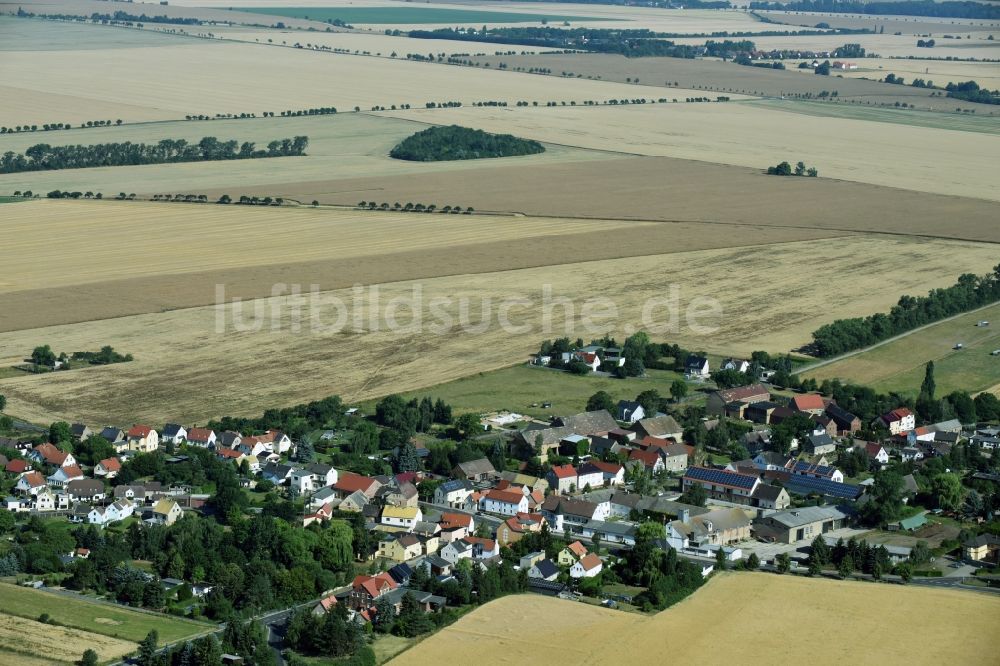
[560, 512]
[599, 422]
[174, 433]
[898, 420]
[544, 570]
[820, 444]
[722, 484]
[760, 412]
[766, 496]
[847, 423]
[629, 411]
[453, 493]
[80, 432]
[697, 367]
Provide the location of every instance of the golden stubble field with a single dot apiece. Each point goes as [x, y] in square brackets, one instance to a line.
[917, 158]
[196, 363]
[212, 76]
[733, 619]
[59, 645]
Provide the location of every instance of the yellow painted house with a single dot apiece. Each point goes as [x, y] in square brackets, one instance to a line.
[402, 548]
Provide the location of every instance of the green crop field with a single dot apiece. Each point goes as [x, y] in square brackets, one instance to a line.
[899, 365]
[953, 121]
[519, 387]
[409, 15]
[98, 618]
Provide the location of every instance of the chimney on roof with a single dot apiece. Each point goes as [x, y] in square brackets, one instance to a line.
[684, 515]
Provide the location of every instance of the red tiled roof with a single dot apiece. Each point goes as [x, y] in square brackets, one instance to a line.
[589, 562]
[229, 453]
[449, 520]
[807, 402]
[16, 466]
[71, 471]
[563, 471]
[34, 479]
[897, 415]
[489, 545]
[647, 458]
[139, 431]
[606, 467]
[328, 603]
[506, 496]
[111, 464]
[351, 482]
[51, 454]
[577, 549]
[199, 434]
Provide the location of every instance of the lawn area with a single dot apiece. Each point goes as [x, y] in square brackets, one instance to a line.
[519, 387]
[98, 618]
[899, 365]
[388, 646]
[408, 15]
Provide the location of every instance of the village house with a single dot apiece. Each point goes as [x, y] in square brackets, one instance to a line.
[86, 490]
[847, 423]
[504, 502]
[474, 470]
[64, 475]
[108, 468]
[366, 590]
[804, 523]
[737, 364]
[875, 451]
[898, 420]
[142, 439]
[983, 548]
[599, 422]
[808, 403]
[173, 433]
[50, 454]
[400, 548]
[612, 474]
[453, 551]
[697, 367]
[514, 528]
[166, 512]
[561, 512]
[80, 432]
[722, 484]
[571, 554]
[630, 411]
[17, 466]
[649, 460]
[820, 444]
[453, 493]
[718, 400]
[543, 569]
[202, 437]
[520, 479]
[761, 412]
[663, 427]
[403, 494]
[349, 483]
[767, 496]
[588, 566]
[401, 516]
[115, 437]
[828, 472]
[115, 512]
[30, 483]
[719, 528]
[562, 478]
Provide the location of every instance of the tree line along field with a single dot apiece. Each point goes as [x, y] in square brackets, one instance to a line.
[740, 604]
[899, 365]
[174, 81]
[715, 77]
[280, 366]
[410, 15]
[341, 145]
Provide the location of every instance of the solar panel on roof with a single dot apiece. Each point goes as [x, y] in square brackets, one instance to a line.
[803, 485]
[722, 476]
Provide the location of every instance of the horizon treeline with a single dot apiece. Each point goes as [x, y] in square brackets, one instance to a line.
[45, 157]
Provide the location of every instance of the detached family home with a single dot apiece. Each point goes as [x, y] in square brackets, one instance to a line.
[174, 433]
[108, 468]
[453, 493]
[508, 502]
[50, 454]
[898, 420]
[142, 439]
[201, 437]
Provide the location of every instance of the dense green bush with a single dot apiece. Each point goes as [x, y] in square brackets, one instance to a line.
[461, 143]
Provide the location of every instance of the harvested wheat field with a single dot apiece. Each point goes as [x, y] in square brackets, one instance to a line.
[963, 163]
[22, 642]
[340, 146]
[237, 358]
[714, 78]
[908, 25]
[182, 79]
[663, 188]
[742, 608]
[200, 246]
